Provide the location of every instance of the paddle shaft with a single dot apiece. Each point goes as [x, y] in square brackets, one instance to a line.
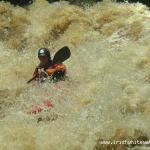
[32, 78]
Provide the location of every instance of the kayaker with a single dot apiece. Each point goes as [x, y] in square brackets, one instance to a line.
[47, 68]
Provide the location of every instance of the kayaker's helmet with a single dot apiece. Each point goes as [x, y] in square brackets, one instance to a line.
[42, 52]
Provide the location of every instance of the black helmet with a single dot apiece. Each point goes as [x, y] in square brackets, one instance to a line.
[43, 52]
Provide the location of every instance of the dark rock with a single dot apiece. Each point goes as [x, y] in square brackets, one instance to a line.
[19, 2]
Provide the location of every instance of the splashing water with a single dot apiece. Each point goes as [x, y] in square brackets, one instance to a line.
[108, 92]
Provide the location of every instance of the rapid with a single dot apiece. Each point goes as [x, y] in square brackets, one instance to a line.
[107, 94]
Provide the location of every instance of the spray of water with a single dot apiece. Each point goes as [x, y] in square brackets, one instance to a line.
[107, 94]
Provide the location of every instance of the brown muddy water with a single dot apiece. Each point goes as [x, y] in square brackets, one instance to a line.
[107, 95]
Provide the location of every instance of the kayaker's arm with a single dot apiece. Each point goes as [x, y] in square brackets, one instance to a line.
[37, 73]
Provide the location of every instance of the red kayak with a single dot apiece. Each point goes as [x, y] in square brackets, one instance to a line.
[46, 105]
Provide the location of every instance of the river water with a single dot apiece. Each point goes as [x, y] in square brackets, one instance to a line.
[107, 93]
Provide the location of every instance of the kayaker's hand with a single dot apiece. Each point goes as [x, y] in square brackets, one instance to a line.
[40, 71]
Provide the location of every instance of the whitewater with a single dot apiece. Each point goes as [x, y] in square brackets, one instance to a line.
[107, 93]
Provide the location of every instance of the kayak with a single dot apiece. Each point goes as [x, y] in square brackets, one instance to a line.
[35, 109]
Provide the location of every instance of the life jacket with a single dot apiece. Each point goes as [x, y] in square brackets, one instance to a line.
[56, 68]
[57, 71]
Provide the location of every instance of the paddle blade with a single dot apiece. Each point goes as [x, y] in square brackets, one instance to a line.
[62, 55]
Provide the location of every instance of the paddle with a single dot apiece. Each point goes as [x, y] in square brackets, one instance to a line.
[60, 56]
[32, 78]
